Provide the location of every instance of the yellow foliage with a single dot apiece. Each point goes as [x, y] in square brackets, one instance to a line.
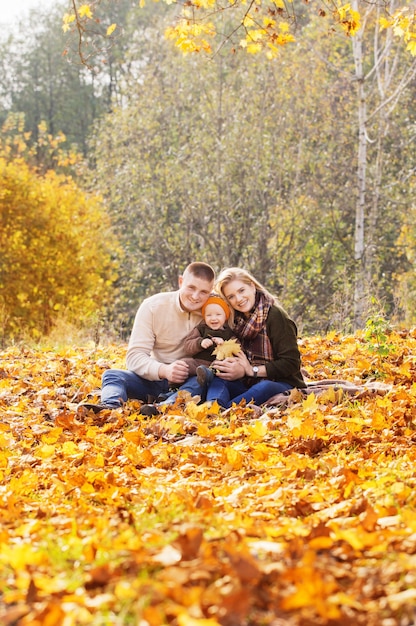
[265, 28]
[67, 19]
[403, 23]
[201, 513]
[55, 256]
[85, 11]
[189, 36]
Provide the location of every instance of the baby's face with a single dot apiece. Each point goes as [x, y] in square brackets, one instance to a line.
[214, 316]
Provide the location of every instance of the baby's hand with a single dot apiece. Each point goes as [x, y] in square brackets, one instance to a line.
[206, 343]
[218, 340]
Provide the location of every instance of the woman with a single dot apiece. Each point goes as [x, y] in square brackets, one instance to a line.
[270, 361]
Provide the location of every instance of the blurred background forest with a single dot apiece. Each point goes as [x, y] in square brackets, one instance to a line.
[113, 177]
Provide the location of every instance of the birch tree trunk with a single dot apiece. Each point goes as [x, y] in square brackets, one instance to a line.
[359, 232]
[382, 77]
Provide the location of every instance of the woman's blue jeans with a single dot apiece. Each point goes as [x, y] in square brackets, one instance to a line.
[228, 392]
[256, 394]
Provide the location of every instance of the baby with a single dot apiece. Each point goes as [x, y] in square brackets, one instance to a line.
[203, 339]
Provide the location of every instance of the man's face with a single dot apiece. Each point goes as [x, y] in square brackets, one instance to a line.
[193, 291]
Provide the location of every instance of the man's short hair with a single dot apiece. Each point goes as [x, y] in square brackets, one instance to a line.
[201, 270]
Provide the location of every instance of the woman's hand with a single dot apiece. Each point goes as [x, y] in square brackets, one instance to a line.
[245, 363]
[229, 369]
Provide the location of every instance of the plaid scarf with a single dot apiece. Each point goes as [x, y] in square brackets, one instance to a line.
[252, 330]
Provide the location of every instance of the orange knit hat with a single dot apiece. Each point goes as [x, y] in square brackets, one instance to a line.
[215, 299]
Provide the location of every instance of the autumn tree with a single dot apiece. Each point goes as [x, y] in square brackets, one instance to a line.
[245, 162]
[56, 248]
[207, 170]
[369, 75]
[382, 75]
[197, 173]
[263, 26]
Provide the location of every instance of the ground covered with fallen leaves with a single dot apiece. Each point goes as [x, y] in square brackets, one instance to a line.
[303, 514]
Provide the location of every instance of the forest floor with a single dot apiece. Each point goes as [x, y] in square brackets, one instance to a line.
[298, 515]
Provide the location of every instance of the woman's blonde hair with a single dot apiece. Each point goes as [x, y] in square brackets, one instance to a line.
[229, 274]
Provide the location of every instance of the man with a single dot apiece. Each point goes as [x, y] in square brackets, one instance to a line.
[155, 350]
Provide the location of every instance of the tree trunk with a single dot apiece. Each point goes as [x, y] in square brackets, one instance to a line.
[359, 233]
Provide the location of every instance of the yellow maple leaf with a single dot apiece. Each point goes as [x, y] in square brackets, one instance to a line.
[310, 403]
[349, 19]
[254, 48]
[52, 436]
[67, 20]
[234, 458]
[229, 348]
[111, 29]
[308, 428]
[384, 23]
[45, 451]
[411, 47]
[70, 448]
[85, 11]
[257, 430]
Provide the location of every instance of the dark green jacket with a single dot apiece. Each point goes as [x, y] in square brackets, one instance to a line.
[282, 333]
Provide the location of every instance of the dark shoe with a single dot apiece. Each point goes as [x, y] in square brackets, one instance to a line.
[204, 375]
[97, 408]
[149, 409]
[164, 396]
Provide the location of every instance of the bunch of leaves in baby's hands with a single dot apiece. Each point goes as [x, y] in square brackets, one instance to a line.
[229, 348]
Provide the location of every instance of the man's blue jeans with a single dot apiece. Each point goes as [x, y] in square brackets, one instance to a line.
[120, 385]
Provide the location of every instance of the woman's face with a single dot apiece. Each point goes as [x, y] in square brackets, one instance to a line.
[240, 295]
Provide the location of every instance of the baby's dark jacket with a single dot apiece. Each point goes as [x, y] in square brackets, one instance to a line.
[192, 343]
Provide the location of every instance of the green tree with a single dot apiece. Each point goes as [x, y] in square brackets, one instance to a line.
[382, 75]
[184, 177]
[368, 80]
[43, 79]
[41, 83]
[244, 162]
[208, 168]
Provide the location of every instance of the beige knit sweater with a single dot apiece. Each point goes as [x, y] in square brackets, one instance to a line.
[158, 332]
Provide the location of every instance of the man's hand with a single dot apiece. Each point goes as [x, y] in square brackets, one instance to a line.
[229, 369]
[176, 372]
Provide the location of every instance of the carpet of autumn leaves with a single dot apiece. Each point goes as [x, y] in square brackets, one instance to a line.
[304, 514]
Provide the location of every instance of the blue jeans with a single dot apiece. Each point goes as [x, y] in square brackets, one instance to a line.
[120, 385]
[258, 393]
[228, 392]
[190, 385]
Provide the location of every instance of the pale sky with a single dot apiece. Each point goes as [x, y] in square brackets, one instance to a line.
[12, 10]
